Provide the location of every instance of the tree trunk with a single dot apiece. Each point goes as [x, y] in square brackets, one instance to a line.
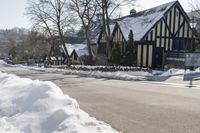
[51, 49]
[105, 28]
[67, 60]
[89, 48]
[108, 37]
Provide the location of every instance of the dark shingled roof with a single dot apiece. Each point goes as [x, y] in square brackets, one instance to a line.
[140, 23]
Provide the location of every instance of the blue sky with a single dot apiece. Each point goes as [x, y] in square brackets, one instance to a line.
[12, 14]
[12, 11]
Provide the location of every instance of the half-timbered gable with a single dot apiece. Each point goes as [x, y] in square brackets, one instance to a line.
[172, 32]
[118, 38]
[157, 32]
[101, 43]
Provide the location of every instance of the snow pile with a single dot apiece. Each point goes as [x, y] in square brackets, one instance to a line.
[128, 75]
[108, 68]
[28, 106]
[2, 62]
[173, 72]
[123, 75]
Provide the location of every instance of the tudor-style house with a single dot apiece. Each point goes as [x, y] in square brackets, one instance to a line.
[162, 35]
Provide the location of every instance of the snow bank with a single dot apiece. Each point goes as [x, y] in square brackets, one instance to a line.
[123, 75]
[176, 72]
[173, 72]
[128, 75]
[28, 106]
[2, 62]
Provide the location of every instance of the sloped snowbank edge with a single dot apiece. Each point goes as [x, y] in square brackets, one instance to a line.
[32, 106]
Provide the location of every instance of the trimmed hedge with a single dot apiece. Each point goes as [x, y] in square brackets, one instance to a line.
[108, 68]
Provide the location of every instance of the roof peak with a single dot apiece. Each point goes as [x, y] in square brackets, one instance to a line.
[139, 12]
[141, 22]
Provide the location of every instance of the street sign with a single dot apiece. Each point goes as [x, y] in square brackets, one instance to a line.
[191, 76]
[192, 60]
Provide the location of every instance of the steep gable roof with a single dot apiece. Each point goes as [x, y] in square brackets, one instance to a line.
[140, 23]
[111, 26]
[81, 49]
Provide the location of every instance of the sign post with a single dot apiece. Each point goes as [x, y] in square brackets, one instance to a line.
[191, 60]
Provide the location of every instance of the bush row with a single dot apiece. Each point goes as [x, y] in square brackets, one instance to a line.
[108, 68]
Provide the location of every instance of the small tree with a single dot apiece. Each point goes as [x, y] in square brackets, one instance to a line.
[86, 10]
[116, 55]
[109, 9]
[129, 57]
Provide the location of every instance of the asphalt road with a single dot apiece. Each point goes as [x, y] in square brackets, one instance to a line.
[129, 106]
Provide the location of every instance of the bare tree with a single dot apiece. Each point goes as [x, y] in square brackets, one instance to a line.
[53, 17]
[36, 45]
[195, 5]
[195, 21]
[22, 44]
[40, 21]
[107, 8]
[86, 10]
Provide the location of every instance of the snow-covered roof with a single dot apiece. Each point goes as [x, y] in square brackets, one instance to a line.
[81, 49]
[53, 58]
[81, 52]
[140, 23]
[112, 26]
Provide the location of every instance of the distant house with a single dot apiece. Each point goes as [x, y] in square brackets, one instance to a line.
[54, 60]
[78, 53]
[162, 35]
[101, 48]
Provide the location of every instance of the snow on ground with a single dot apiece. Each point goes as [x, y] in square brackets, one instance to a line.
[2, 62]
[125, 75]
[108, 67]
[92, 71]
[173, 72]
[128, 75]
[176, 72]
[28, 106]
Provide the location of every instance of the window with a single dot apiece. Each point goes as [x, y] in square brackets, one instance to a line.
[182, 44]
[101, 49]
[75, 56]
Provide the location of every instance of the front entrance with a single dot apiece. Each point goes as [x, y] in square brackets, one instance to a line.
[158, 58]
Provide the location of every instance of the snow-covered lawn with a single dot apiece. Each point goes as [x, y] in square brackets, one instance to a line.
[28, 106]
[2, 62]
[177, 72]
[122, 73]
